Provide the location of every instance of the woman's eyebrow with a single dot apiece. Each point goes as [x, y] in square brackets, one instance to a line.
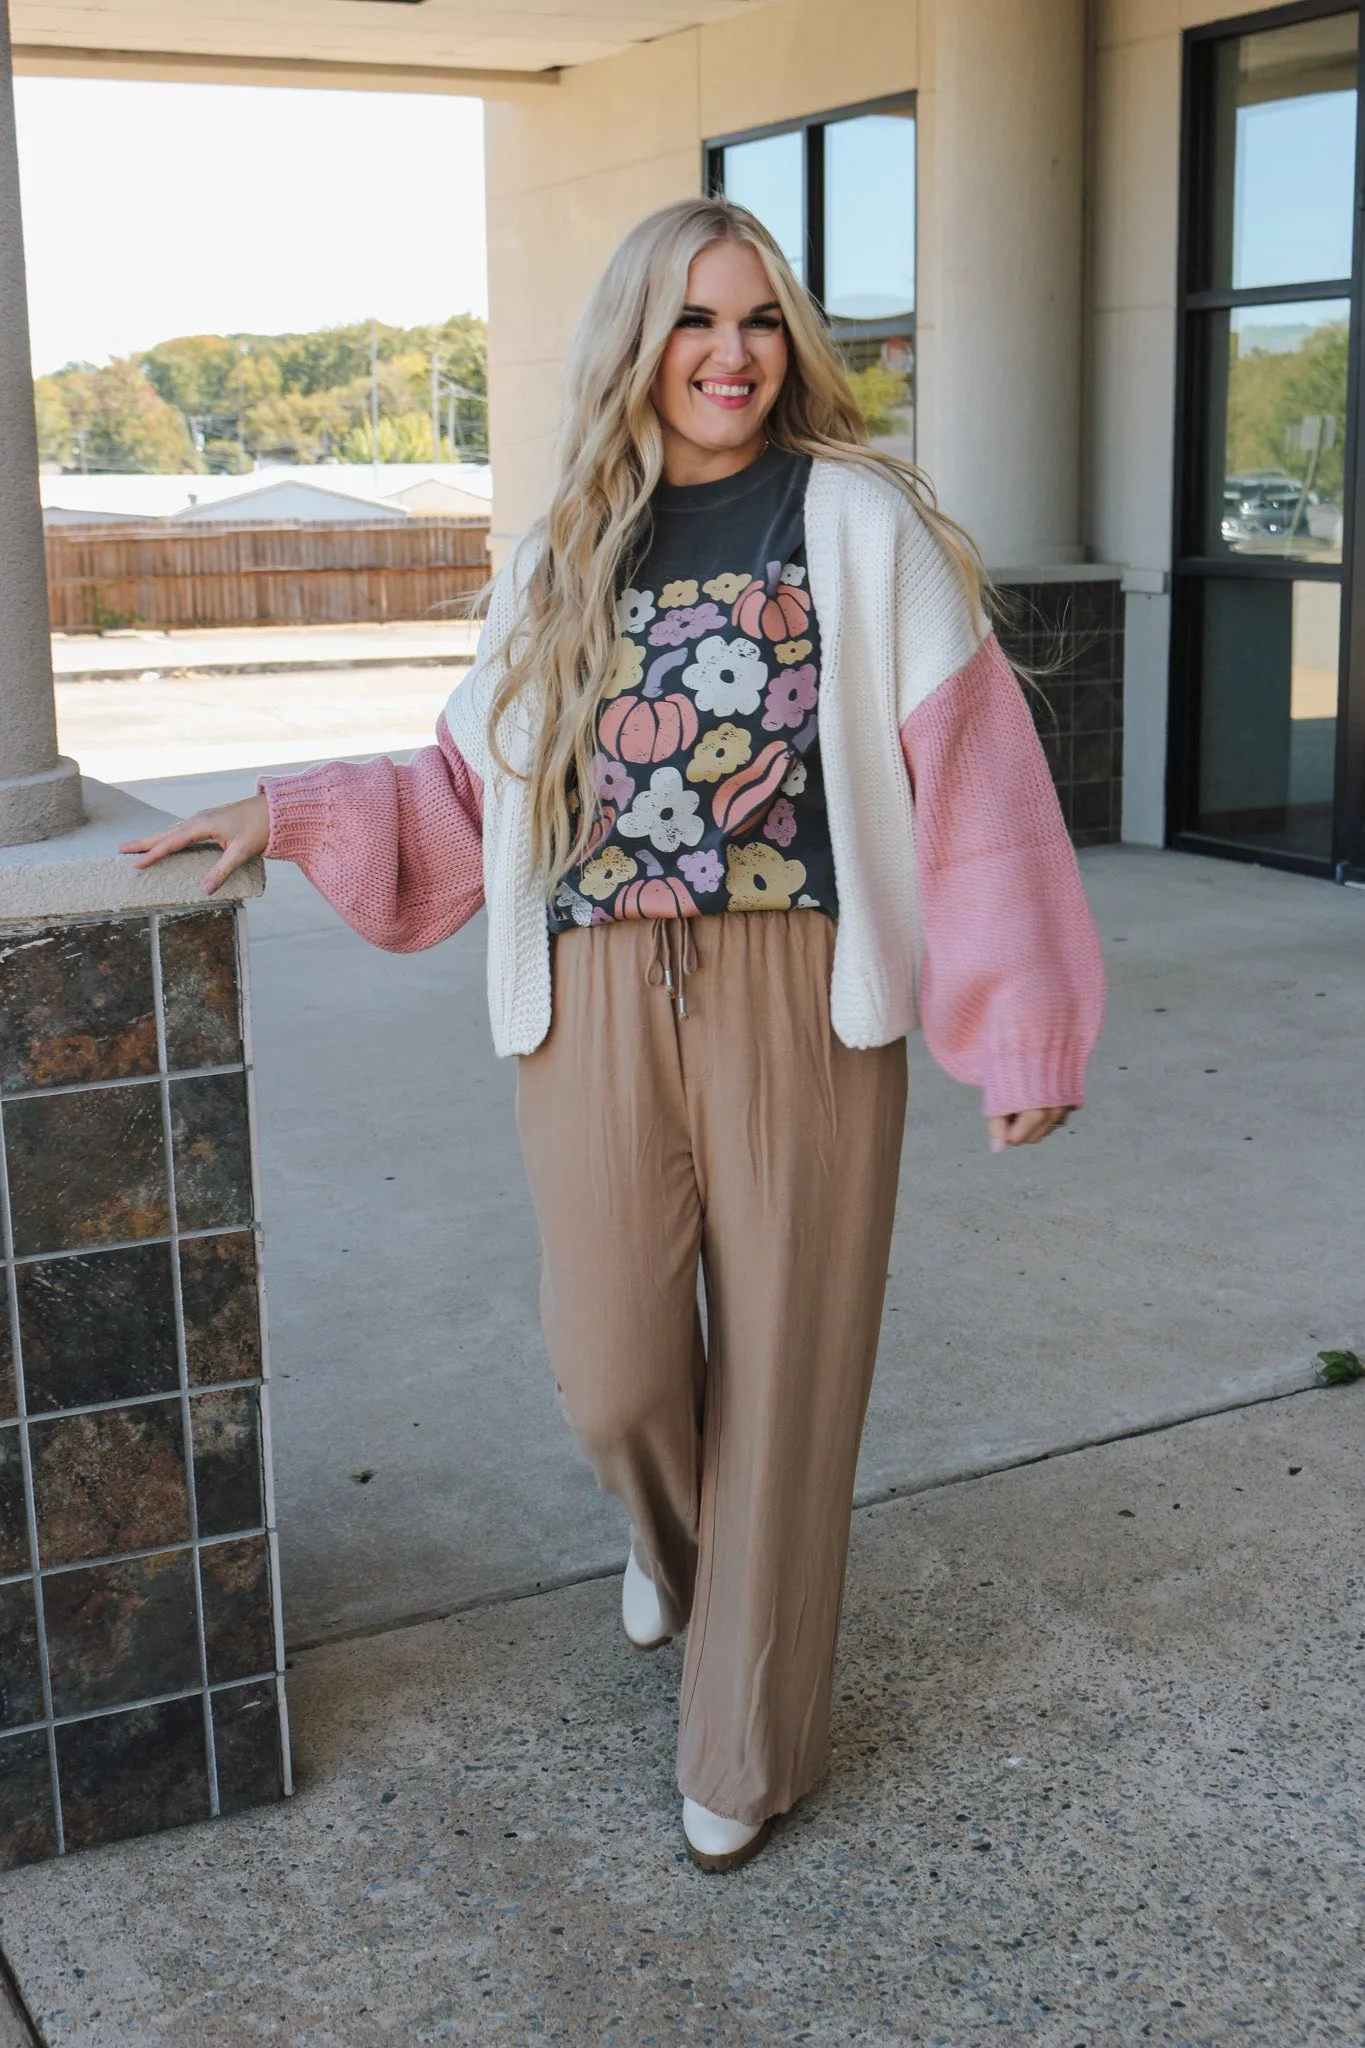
[768, 306]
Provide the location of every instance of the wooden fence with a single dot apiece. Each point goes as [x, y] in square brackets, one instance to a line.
[227, 573]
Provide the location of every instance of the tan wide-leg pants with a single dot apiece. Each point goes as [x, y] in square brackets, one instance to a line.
[744, 1134]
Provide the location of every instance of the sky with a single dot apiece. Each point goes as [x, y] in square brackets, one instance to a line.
[1293, 209]
[157, 210]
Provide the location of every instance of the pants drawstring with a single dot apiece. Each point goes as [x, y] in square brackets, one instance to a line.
[659, 973]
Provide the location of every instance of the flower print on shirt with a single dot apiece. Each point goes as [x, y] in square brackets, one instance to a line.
[612, 781]
[727, 675]
[675, 629]
[780, 823]
[674, 595]
[725, 589]
[788, 651]
[703, 870]
[626, 669]
[758, 878]
[634, 610]
[719, 752]
[790, 696]
[603, 877]
[665, 813]
[791, 574]
[796, 780]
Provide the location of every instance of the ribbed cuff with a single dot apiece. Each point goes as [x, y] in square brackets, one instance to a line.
[1046, 1077]
[300, 812]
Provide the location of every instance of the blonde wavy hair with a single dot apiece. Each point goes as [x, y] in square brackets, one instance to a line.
[563, 647]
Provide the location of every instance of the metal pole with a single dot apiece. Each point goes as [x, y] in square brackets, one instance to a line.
[435, 407]
[374, 403]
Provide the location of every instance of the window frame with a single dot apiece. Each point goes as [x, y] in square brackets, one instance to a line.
[1191, 568]
[811, 128]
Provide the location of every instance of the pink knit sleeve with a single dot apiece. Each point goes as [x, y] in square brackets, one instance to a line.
[1012, 985]
[397, 850]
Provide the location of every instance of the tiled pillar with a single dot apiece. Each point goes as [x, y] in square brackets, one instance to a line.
[141, 1651]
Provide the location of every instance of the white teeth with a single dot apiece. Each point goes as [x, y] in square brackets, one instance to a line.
[727, 390]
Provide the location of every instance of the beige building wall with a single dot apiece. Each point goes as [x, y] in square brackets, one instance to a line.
[1135, 170]
[569, 170]
[1134, 174]
[1001, 87]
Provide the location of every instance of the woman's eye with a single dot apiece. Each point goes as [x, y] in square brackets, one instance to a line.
[768, 322]
[694, 320]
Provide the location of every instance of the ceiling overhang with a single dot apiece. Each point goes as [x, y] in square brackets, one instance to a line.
[442, 46]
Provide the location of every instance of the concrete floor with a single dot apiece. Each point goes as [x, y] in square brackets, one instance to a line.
[1185, 1245]
[1096, 1782]
[1097, 1733]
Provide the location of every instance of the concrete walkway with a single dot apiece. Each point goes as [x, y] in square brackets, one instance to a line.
[1097, 1733]
[1096, 1782]
[1184, 1246]
[142, 651]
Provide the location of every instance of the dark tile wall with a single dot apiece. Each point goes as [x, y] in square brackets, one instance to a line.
[139, 1681]
[1069, 638]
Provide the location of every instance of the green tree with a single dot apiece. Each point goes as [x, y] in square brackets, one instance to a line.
[54, 421]
[283, 397]
[191, 373]
[124, 424]
[1270, 394]
[879, 394]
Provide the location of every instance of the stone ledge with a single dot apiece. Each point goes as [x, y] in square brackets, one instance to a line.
[83, 872]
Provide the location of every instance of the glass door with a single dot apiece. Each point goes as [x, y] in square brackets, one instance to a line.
[1264, 732]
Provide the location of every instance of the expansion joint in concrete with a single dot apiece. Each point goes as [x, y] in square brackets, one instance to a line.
[16, 2021]
[874, 1497]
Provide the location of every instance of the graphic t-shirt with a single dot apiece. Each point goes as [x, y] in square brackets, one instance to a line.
[708, 757]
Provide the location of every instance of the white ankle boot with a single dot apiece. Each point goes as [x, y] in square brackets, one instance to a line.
[641, 1615]
[716, 1843]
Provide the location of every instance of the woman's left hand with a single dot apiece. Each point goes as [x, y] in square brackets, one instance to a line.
[1024, 1127]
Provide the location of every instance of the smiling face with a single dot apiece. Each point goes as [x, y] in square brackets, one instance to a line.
[722, 368]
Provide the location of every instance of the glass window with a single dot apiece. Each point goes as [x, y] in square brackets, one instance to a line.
[1284, 125]
[1276, 430]
[1268, 341]
[855, 251]
[870, 217]
[1268, 713]
[768, 176]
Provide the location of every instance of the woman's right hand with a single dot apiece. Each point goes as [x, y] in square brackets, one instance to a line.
[241, 829]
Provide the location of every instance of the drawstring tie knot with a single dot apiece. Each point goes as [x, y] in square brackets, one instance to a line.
[660, 972]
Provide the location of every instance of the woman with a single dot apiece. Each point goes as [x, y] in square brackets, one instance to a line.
[742, 667]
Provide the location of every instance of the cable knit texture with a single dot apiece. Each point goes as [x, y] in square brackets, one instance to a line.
[1012, 985]
[923, 732]
[398, 851]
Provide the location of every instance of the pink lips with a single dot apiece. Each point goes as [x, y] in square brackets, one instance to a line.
[728, 404]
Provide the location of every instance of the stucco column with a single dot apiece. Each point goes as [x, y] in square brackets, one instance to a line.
[1002, 106]
[40, 791]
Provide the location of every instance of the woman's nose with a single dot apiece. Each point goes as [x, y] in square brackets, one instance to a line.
[729, 349]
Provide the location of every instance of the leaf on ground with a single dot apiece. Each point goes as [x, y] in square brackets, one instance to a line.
[1339, 1368]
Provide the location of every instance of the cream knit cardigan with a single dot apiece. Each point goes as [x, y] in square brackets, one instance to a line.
[895, 622]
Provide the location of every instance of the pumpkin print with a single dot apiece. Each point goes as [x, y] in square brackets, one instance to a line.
[750, 790]
[666, 898]
[606, 819]
[775, 610]
[636, 730]
[705, 776]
